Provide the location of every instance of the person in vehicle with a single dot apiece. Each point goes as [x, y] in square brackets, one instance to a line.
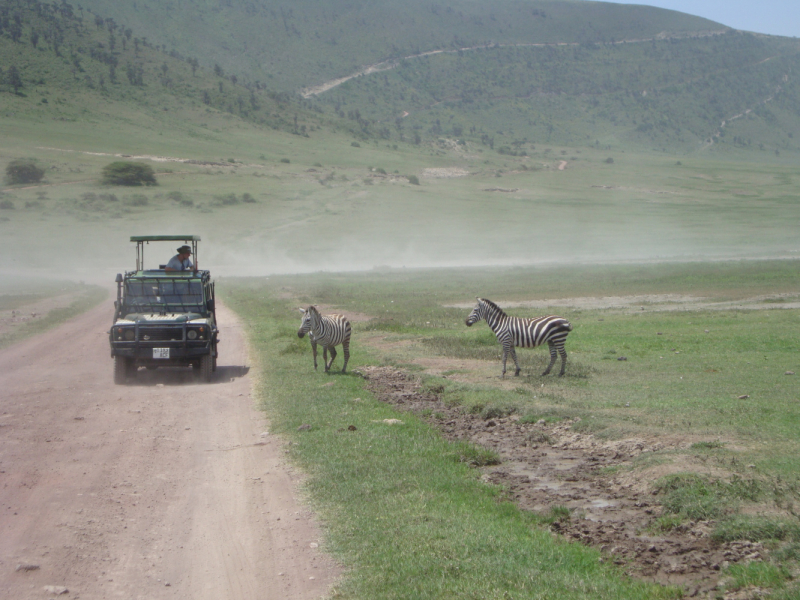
[181, 261]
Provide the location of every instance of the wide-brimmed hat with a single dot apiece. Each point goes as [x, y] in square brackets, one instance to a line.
[184, 250]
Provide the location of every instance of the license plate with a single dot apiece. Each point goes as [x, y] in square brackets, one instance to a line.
[160, 352]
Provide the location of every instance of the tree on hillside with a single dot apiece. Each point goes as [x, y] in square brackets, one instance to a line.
[34, 38]
[14, 78]
[128, 173]
[23, 170]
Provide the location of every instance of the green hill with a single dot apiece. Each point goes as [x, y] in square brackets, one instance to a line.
[60, 64]
[510, 75]
[733, 92]
[297, 43]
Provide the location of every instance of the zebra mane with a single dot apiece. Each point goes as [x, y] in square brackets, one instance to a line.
[492, 305]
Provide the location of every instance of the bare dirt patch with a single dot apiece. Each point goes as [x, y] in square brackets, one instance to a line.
[545, 465]
[444, 173]
[651, 302]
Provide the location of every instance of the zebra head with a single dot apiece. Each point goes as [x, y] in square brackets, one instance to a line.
[476, 314]
[309, 319]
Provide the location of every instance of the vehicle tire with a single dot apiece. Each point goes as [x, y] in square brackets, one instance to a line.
[206, 367]
[121, 369]
[214, 363]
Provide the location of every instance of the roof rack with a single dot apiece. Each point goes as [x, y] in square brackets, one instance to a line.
[141, 240]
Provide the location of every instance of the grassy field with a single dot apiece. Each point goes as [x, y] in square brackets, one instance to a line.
[709, 369]
[293, 204]
[52, 302]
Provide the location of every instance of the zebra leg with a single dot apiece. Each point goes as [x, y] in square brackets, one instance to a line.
[333, 356]
[314, 352]
[553, 355]
[516, 362]
[505, 356]
[563, 354]
[346, 350]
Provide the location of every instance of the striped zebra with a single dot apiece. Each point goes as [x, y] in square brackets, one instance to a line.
[327, 331]
[525, 333]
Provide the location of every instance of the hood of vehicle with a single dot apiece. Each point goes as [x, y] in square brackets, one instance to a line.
[163, 319]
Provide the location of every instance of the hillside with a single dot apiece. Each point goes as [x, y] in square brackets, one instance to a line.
[733, 92]
[65, 64]
[510, 76]
[294, 44]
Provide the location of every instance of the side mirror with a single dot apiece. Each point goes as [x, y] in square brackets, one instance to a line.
[210, 305]
[119, 278]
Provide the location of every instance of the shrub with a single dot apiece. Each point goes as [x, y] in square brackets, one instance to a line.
[413, 179]
[23, 170]
[355, 144]
[137, 200]
[128, 173]
[226, 199]
[6, 204]
[248, 198]
[285, 160]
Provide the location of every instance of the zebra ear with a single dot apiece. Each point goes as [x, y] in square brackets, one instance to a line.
[302, 310]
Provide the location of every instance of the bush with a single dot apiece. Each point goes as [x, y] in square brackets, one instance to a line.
[226, 199]
[128, 173]
[6, 204]
[355, 144]
[23, 170]
[285, 160]
[413, 179]
[137, 200]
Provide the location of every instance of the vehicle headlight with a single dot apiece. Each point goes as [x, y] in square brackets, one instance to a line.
[191, 334]
[129, 335]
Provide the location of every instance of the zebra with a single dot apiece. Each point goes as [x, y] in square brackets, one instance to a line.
[525, 333]
[327, 331]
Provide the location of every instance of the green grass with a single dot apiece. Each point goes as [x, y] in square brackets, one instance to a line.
[402, 509]
[683, 376]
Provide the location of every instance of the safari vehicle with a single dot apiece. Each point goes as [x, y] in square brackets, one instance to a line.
[164, 318]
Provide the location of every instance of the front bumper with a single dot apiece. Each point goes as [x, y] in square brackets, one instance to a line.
[163, 346]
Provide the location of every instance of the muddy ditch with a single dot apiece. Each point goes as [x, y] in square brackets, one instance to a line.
[550, 465]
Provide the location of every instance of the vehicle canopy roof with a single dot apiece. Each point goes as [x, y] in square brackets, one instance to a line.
[165, 238]
[141, 240]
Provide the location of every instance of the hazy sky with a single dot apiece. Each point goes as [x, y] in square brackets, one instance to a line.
[777, 17]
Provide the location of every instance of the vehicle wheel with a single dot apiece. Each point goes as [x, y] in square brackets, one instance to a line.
[206, 367]
[214, 363]
[121, 369]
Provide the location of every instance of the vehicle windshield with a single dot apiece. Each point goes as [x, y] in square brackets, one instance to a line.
[184, 295]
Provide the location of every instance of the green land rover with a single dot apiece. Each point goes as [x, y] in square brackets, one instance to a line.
[164, 318]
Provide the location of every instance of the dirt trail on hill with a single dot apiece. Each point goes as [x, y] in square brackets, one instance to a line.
[163, 488]
[393, 63]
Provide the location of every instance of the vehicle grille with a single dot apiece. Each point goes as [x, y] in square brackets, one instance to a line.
[160, 334]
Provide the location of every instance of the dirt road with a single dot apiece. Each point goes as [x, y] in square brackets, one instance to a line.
[164, 488]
